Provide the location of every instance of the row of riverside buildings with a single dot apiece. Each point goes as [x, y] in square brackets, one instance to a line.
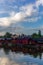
[21, 40]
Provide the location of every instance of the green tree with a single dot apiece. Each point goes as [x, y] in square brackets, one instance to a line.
[7, 35]
[34, 35]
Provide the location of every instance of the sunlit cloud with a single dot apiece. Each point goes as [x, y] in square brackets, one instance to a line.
[24, 14]
[19, 14]
[39, 2]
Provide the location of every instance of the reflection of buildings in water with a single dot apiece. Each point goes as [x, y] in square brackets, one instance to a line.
[14, 58]
[34, 52]
[6, 51]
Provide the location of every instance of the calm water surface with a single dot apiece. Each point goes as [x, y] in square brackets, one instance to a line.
[7, 57]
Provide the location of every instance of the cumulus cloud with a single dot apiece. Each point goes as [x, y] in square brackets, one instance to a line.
[28, 13]
[24, 14]
[18, 16]
[4, 21]
[27, 9]
[39, 2]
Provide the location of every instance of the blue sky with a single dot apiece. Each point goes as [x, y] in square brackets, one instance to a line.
[23, 15]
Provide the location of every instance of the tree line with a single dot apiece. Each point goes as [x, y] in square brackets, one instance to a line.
[34, 35]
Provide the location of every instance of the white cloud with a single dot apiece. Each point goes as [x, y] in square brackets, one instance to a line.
[19, 16]
[39, 2]
[13, 18]
[27, 9]
[24, 13]
[4, 21]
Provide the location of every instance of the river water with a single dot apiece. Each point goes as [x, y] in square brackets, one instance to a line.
[7, 57]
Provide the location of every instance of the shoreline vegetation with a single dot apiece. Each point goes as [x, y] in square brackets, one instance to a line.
[34, 35]
[34, 41]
